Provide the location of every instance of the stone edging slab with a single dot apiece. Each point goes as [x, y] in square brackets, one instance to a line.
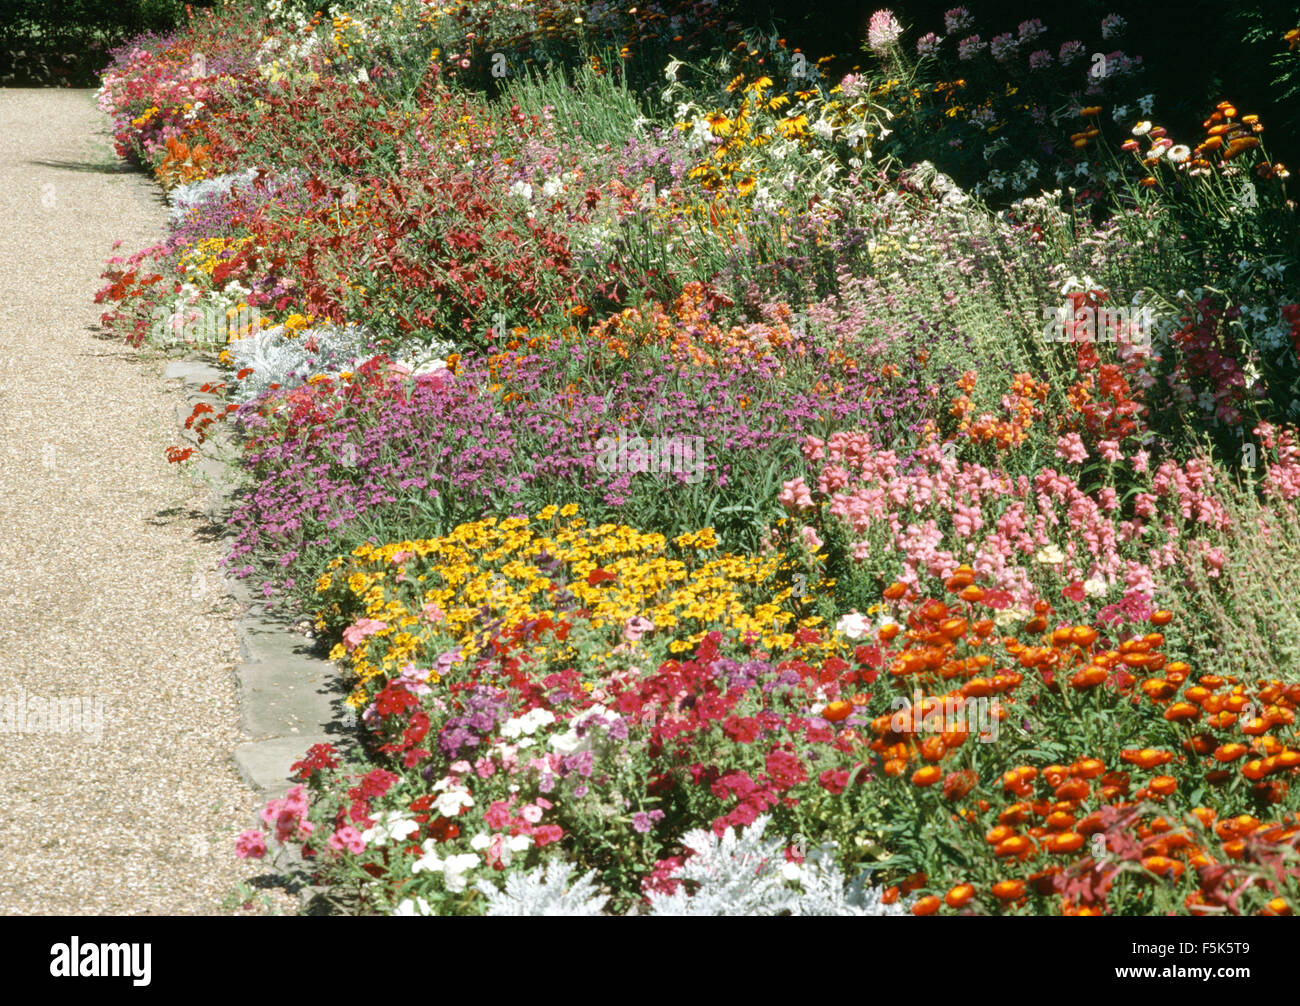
[289, 697]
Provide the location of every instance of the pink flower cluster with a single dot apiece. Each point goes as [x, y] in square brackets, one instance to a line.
[935, 515]
[289, 818]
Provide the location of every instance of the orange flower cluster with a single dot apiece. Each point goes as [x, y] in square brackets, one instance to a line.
[1228, 137]
[689, 333]
[1022, 405]
[1086, 815]
[183, 163]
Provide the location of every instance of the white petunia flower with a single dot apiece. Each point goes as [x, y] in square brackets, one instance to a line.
[391, 826]
[455, 868]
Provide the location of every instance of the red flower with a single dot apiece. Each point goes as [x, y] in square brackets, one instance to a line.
[598, 576]
[785, 769]
[318, 756]
[1073, 591]
[742, 730]
[444, 830]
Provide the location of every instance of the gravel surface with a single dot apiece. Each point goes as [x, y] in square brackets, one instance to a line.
[108, 587]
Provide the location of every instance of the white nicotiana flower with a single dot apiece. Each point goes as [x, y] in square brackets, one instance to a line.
[700, 134]
[1146, 103]
[823, 128]
[1081, 168]
[670, 71]
[1119, 113]
[522, 189]
[1074, 283]
[1206, 401]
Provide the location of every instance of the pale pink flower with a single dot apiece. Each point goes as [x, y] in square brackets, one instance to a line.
[795, 495]
[1070, 447]
[363, 627]
[1110, 451]
[636, 627]
[810, 538]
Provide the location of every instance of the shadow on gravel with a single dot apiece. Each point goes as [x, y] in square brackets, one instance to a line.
[205, 530]
[97, 167]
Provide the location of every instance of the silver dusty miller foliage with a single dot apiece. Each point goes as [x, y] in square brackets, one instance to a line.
[737, 874]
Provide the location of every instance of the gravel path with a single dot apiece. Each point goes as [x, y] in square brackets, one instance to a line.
[108, 593]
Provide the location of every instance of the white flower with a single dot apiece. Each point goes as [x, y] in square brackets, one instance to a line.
[450, 802]
[853, 625]
[1178, 153]
[1009, 616]
[1081, 168]
[412, 906]
[454, 870]
[391, 826]
[670, 71]
[430, 861]
[552, 188]
[1119, 113]
[823, 128]
[1146, 103]
[522, 189]
[1050, 555]
[527, 724]
[1142, 128]
[1095, 586]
